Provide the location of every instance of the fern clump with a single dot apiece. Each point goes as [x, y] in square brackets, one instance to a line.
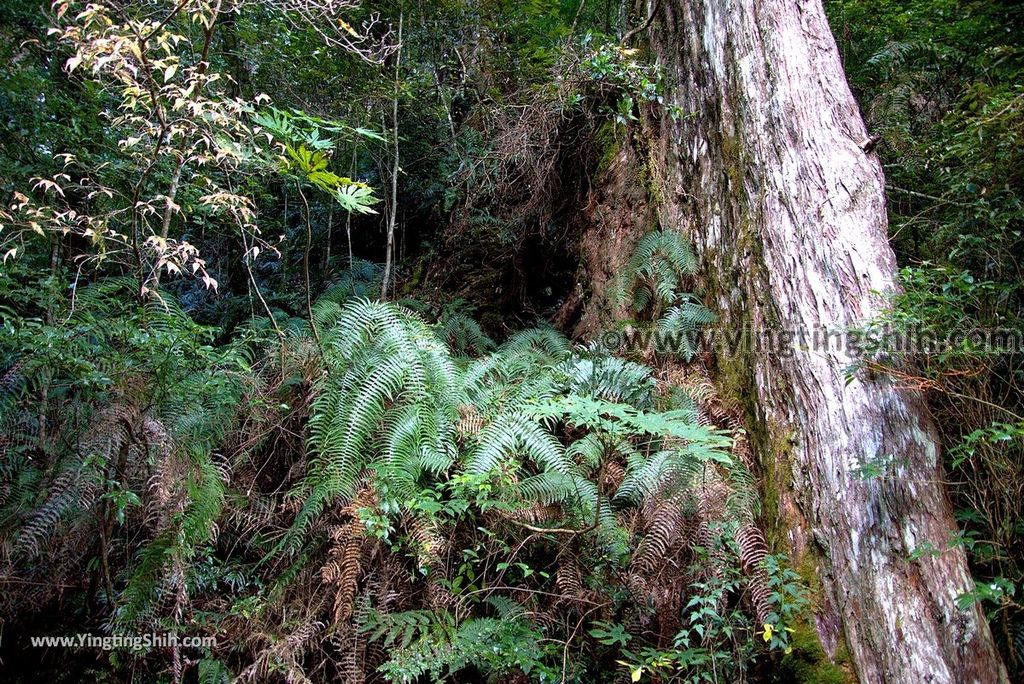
[652, 287]
[391, 392]
[461, 331]
[657, 269]
[430, 644]
[135, 402]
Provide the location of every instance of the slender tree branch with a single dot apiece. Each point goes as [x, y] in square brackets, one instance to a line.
[643, 27]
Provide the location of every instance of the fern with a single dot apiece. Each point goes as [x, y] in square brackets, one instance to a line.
[514, 435]
[653, 287]
[430, 644]
[391, 393]
[656, 271]
[421, 464]
[361, 279]
[681, 324]
[190, 528]
[141, 387]
[521, 370]
[461, 332]
[608, 377]
[400, 629]
[212, 671]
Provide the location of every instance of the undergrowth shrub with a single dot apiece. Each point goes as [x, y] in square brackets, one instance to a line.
[379, 504]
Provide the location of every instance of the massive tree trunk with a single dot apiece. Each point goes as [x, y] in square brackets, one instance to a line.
[766, 173]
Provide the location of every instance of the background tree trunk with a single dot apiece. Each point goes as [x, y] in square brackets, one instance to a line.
[389, 254]
[764, 170]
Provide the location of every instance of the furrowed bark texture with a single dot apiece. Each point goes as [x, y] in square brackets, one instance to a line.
[764, 171]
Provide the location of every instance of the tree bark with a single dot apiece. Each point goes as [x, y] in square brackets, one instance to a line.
[764, 171]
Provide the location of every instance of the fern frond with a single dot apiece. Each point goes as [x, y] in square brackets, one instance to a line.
[609, 378]
[392, 394]
[544, 341]
[667, 526]
[517, 436]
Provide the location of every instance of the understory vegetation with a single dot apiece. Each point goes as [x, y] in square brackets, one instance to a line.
[542, 510]
[278, 366]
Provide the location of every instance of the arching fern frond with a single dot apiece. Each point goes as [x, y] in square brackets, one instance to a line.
[544, 341]
[517, 436]
[463, 334]
[654, 275]
[391, 393]
[608, 377]
[680, 325]
[361, 279]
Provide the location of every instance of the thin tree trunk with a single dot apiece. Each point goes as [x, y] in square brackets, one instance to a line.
[165, 223]
[765, 172]
[348, 234]
[306, 276]
[348, 215]
[330, 236]
[172, 192]
[393, 213]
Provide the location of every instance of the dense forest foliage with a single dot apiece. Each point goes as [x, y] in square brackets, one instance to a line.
[295, 355]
